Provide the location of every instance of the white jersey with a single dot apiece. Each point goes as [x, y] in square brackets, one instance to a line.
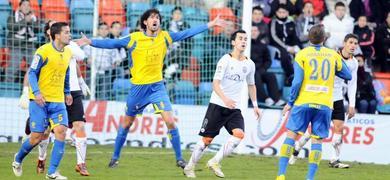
[351, 85]
[77, 55]
[234, 75]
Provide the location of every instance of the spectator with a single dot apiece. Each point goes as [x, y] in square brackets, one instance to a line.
[264, 5]
[319, 7]
[123, 68]
[382, 45]
[215, 47]
[304, 22]
[332, 3]
[106, 60]
[366, 38]
[284, 38]
[261, 57]
[337, 25]
[180, 52]
[23, 28]
[365, 95]
[286, 3]
[257, 20]
[374, 10]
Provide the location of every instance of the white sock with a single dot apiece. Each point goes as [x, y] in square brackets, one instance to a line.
[336, 143]
[227, 148]
[81, 149]
[302, 141]
[197, 153]
[42, 149]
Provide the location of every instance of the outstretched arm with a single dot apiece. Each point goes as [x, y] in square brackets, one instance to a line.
[181, 35]
[104, 43]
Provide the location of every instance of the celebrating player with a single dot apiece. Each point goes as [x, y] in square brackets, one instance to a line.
[49, 83]
[315, 68]
[234, 71]
[75, 111]
[338, 114]
[148, 49]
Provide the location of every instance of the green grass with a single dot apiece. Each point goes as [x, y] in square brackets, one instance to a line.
[143, 163]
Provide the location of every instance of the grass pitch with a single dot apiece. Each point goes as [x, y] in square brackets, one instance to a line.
[146, 163]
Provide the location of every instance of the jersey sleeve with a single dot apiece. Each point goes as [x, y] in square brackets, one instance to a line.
[342, 70]
[298, 79]
[35, 69]
[352, 85]
[250, 78]
[66, 83]
[181, 35]
[111, 43]
[221, 68]
[77, 52]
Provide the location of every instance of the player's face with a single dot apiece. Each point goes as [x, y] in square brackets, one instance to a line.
[255, 32]
[339, 12]
[65, 35]
[257, 16]
[362, 22]
[240, 42]
[153, 22]
[351, 45]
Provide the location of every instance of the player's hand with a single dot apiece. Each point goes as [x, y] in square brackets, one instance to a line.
[258, 113]
[83, 40]
[40, 100]
[84, 87]
[24, 100]
[351, 112]
[217, 22]
[286, 109]
[229, 103]
[69, 100]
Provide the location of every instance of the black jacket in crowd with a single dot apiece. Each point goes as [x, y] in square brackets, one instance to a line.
[283, 33]
[366, 40]
[260, 56]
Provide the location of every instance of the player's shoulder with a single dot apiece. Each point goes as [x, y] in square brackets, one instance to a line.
[44, 50]
[250, 61]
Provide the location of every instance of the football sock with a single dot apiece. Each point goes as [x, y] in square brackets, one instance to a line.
[119, 141]
[42, 149]
[174, 137]
[314, 160]
[197, 153]
[336, 144]
[56, 156]
[285, 152]
[24, 150]
[81, 149]
[227, 149]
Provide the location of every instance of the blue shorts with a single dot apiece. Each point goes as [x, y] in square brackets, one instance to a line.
[142, 95]
[318, 115]
[53, 113]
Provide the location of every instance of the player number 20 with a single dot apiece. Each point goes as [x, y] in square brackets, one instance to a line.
[325, 69]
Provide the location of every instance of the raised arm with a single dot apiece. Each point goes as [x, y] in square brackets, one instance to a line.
[104, 43]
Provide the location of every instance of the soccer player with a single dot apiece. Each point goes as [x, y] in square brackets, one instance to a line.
[315, 68]
[234, 71]
[148, 49]
[78, 88]
[49, 83]
[338, 114]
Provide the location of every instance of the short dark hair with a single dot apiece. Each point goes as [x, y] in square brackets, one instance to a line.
[102, 24]
[115, 22]
[349, 36]
[22, 1]
[146, 15]
[317, 34]
[46, 28]
[307, 2]
[341, 4]
[282, 6]
[234, 35]
[177, 8]
[56, 28]
[257, 8]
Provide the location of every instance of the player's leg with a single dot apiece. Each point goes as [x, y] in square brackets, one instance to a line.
[338, 117]
[77, 123]
[37, 126]
[159, 98]
[58, 118]
[297, 122]
[320, 130]
[42, 151]
[298, 146]
[135, 104]
[212, 123]
[120, 140]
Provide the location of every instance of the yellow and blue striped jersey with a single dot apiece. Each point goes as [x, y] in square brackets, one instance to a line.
[49, 73]
[315, 68]
[147, 53]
